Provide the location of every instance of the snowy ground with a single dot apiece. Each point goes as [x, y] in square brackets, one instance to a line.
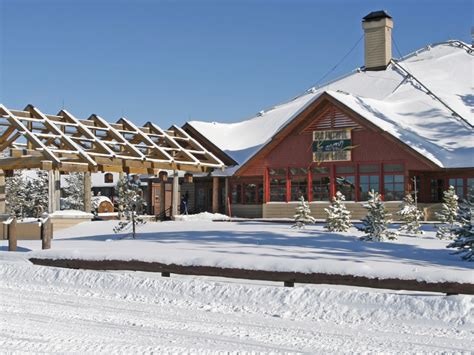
[63, 311]
[261, 246]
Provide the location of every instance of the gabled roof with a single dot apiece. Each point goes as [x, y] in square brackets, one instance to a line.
[425, 100]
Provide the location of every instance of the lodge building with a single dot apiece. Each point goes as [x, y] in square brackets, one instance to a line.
[391, 126]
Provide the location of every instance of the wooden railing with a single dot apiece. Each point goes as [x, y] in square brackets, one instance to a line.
[14, 231]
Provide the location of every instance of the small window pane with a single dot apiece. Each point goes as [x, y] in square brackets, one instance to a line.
[388, 178]
[279, 171]
[236, 193]
[373, 168]
[345, 169]
[364, 179]
[321, 188]
[346, 185]
[390, 168]
[320, 170]
[398, 178]
[298, 171]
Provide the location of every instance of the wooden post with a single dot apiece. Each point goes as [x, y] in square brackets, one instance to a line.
[87, 192]
[120, 206]
[163, 178]
[12, 236]
[175, 195]
[2, 192]
[54, 190]
[226, 195]
[46, 234]
[215, 194]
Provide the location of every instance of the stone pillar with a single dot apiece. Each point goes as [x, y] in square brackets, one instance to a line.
[87, 192]
[175, 195]
[54, 190]
[120, 206]
[215, 194]
[2, 192]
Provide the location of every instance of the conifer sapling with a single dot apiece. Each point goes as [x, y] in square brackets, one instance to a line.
[448, 215]
[410, 215]
[339, 217]
[303, 214]
[464, 230]
[375, 224]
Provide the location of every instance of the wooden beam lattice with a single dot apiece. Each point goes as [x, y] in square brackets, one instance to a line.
[32, 139]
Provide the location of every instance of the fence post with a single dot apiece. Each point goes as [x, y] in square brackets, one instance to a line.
[12, 237]
[46, 234]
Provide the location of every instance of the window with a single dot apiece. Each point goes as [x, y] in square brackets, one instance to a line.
[458, 184]
[370, 168]
[393, 168]
[368, 183]
[394, 187]
[277, 184]
[321, 183]
[236, 193]
[346, 185]
[299, 183]
[436, 190]
[250, 193]
[470, 189]
[108, 178]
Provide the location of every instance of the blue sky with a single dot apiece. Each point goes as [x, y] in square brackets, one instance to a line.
[171, 61]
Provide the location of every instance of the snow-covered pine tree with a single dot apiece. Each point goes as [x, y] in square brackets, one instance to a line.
[448, 214]
[375, 224]
[37, 191]
[16, 195]
[74, 192]
[339, 217]
[464, 231]
[410, 216]
[303, 214]
[131, 202]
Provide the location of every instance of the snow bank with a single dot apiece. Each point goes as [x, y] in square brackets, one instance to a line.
[262, 246]
[203, 216]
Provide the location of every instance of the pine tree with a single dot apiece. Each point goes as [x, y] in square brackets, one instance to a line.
[303, 214]
[448, 214]
[74, 192]
[131, 203]
[37, 190]
[375, 224]
[464, 231]
[16, 195]
[410, 216]
[339, 217]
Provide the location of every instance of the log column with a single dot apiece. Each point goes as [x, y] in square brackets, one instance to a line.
[175, 195]
[2, 192]
[226, 196]
[54, 190]
[215, 194]
[87, 192]
[163, 178]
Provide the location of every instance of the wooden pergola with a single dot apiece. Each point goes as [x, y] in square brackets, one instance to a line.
[30, 139]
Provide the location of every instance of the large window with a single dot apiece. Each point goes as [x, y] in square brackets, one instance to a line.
[470, 189]
[394, 182]
[458, 184]
[369, 179]
[299, 183]
[345, 181]
[277, 184]
[236, 193]
[321, 183]
[247, 193]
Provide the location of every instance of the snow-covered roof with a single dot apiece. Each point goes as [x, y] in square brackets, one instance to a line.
[425, 99]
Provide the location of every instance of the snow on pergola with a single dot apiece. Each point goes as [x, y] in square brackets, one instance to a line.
[62, 142]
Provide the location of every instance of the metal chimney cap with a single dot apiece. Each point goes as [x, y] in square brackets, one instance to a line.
[376, 15]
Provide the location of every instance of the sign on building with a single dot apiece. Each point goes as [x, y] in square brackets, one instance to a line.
[334, 145]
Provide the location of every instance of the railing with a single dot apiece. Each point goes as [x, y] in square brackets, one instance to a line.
[14, 231]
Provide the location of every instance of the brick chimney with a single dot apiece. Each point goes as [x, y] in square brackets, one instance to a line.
[378, 40]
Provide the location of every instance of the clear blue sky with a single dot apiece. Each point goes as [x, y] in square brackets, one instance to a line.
[171, 61]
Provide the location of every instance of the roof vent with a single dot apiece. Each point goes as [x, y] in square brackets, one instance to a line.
[260, 113]
[378, 40]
